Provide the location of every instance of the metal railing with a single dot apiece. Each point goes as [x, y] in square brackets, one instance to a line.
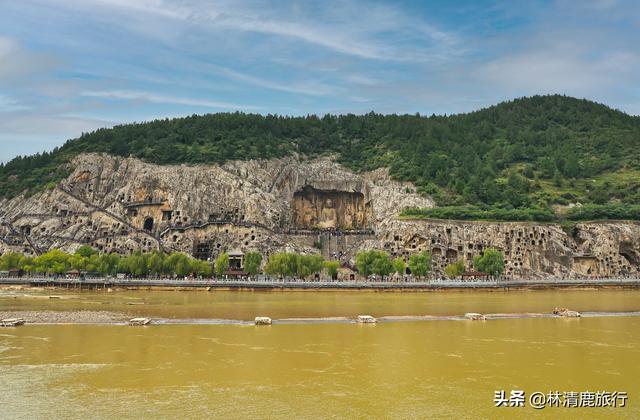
[265, 281]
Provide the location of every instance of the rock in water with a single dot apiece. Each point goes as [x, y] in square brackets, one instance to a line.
[139, 321]
[366, 319]
[11, 322]
[475, 316]
[262, 320]
[567, 313]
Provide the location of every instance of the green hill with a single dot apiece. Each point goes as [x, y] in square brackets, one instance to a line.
[527, 153]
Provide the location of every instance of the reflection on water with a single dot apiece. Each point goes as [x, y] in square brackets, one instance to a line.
[405, 370]
[315, 304]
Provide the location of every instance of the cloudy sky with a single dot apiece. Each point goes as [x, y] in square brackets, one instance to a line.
[71, 66]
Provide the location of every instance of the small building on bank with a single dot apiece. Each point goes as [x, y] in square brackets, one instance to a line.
[346, 273]
[16, 273]
[236, 260]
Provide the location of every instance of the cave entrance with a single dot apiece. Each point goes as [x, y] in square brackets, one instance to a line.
[586, 265]
[629, 253]
[236, 260]
[202, 251]
[451, 254]
[329, 209]
[148, 224]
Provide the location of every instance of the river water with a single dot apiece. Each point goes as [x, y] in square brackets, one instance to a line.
[413, 369]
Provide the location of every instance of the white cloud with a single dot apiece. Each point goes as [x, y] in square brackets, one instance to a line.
[35, 123]
[17, 63]
[549, 71]
[307, 88]
[8, 104]
[359, 29]
[133, 95]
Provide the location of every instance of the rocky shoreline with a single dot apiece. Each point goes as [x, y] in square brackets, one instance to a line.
[66, 317]
[114, 318]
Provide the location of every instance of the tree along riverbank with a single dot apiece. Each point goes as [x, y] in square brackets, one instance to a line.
[266, 283]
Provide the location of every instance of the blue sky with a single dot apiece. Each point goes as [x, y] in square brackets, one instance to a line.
[71, 66]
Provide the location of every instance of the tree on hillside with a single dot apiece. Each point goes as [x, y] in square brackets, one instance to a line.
[252, 261]
[222, 263]
[399, 266]
[373, 262]
[54, 261]
[201, 268]
[108, 264]
[553, 138]
[154, 264]
[13, 260]
[332, 269]
[290, 264]
[309, 264]
[136, 264]
[491, 261]
[420, 264]
[78, 262]
[86, 251]
[455, 269]
[282, 264]
[383, 266]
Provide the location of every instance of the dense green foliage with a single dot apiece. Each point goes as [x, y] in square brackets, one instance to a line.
[491, 261]
[609, 211]
[138, 264]
[475, 213]
[282, 264]
[374, 262]
[399, 266]
[455, 269]
[252, 262]
[606, 211]
[222, 263]
[288, 264]
[332, 269]
[420, 264]
[526, 153]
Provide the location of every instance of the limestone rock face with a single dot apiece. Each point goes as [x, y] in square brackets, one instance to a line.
[292, 204]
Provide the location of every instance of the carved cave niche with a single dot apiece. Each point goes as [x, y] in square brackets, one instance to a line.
[329, 209]
[148, 224]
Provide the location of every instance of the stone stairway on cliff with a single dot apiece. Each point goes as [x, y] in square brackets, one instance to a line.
[110, 214]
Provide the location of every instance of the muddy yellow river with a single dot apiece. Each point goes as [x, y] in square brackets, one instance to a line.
[419, 369]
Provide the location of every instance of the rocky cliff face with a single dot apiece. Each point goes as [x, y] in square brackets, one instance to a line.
[119, 205]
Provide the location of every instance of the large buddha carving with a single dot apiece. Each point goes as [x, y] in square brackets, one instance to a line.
[322, 209]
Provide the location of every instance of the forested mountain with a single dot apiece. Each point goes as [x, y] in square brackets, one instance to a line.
[527, 153]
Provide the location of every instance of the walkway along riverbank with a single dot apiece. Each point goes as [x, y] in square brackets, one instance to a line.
[270, 284]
